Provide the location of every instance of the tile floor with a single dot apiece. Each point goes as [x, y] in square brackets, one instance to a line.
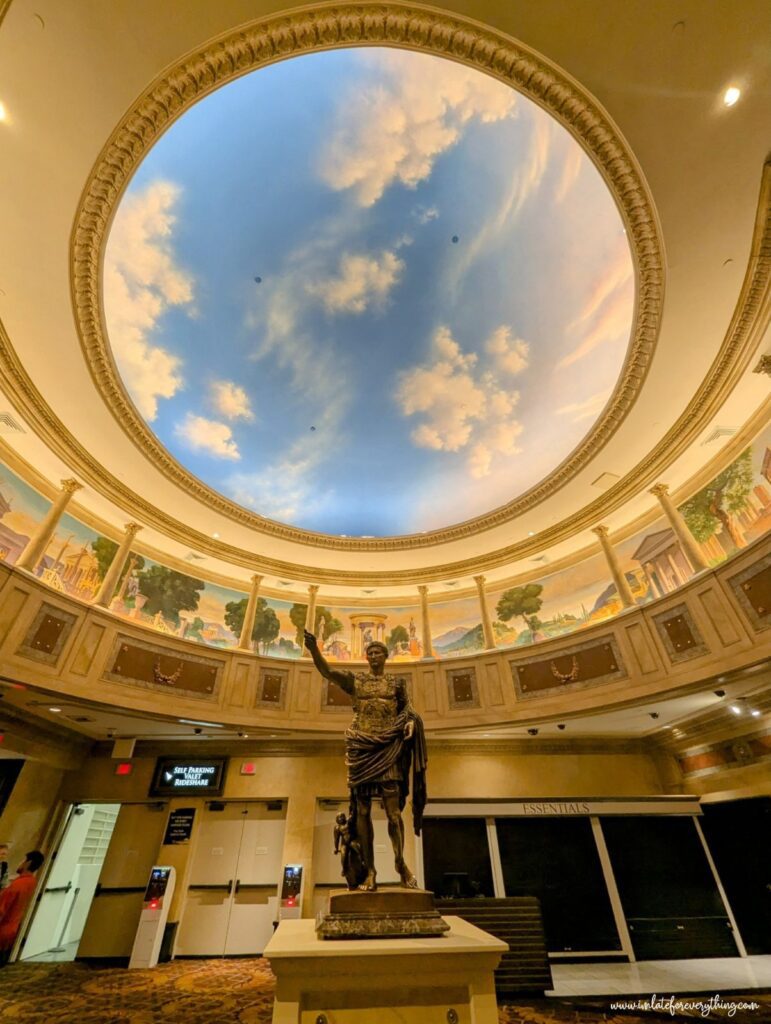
[663, 977]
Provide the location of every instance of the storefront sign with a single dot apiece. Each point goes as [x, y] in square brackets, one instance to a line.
[179, 826]
[193, 777]
[566, 808]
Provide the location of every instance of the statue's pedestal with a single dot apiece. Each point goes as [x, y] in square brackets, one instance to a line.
[384, 981]
[383, 914]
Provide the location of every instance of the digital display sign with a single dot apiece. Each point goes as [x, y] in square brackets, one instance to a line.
[189, 777]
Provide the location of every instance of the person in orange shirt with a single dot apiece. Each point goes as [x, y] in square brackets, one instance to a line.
[14, 901]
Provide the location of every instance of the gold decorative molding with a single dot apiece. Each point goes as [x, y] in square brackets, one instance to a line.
[323, 28]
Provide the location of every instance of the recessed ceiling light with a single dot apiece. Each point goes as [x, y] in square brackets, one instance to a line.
[736, 709]
[216, 536]
[55, 709]
[531, 533]
[3, 112]
[755, 713]
[731, 95]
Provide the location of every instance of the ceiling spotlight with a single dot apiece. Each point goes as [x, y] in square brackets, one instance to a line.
[736, 709]
[653, 714]
[755, 713]
[3, 112]
[719, 693]
[731, 95]
[57, 710]
[216, 536]
[532, 732]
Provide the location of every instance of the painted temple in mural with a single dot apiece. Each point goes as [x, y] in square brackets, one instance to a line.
[731, 511]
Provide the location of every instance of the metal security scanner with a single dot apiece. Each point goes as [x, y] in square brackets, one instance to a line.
[291, 892]
[152, 921]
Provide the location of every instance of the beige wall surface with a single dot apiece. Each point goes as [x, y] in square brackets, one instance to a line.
[29, 814]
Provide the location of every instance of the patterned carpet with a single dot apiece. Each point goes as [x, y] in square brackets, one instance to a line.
[230, 992]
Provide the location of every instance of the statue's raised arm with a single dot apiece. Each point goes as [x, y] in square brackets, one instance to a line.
[343, 679]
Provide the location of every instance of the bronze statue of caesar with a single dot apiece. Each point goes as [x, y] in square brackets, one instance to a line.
[384, 740]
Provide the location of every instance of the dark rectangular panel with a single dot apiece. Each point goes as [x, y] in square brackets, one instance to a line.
[556, 860]
[738, 834]
[670, 899]
[47, 634]
[456, 857]
[580, 665]
[159, 668]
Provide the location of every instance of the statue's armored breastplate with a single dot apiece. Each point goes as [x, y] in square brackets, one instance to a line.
[374, 703]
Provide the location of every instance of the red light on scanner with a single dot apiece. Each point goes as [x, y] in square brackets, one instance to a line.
[124, 768]
[153, 904]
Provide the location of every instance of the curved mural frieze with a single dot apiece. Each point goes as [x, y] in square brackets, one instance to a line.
[731, 510]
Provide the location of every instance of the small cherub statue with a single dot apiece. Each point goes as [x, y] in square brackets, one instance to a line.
[349, 849]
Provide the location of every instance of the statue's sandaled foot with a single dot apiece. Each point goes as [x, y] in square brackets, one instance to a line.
[409, 881]
[369, 884]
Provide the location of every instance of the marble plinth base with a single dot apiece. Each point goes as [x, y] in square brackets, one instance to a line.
[385, 913]
[384, 981]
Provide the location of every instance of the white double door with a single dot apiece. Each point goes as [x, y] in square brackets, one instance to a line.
[232, 897]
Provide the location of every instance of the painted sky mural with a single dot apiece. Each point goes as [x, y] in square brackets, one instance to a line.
[352, 283]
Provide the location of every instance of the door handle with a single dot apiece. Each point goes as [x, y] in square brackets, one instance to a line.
[224, 887]
[59, 888]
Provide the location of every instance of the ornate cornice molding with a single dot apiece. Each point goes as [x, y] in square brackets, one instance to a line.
[323, 28]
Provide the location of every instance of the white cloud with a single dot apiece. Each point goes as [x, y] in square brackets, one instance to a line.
[464, 407]
[571, 168]
[209, 436]
[606, 314]
[361, 281]
[141, 282]
[230, 400]
[524, 183]
[393, 132]
[589, 407]
[286, 489]
[425, 214]
[509, 354]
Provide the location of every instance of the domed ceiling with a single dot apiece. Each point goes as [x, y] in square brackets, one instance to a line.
[368, 292]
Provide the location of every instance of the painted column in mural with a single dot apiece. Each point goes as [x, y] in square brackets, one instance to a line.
[428, 649]
[487, 626]
[46, 528]
[310, 618]
[620, 580]
[245, 640]
[687, 542]
[107, 589]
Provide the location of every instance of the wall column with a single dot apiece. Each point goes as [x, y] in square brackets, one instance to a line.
[620, 580]
[310, 617]
[105, 593]
[487, 626]
[428, 650]
[687, 542]
[245, 640]
[46, 528]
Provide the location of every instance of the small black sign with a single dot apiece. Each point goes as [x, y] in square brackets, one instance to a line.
[192, 776]
[179, 826]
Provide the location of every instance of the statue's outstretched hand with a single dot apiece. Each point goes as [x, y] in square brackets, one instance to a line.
[310, 640]
[409, 729]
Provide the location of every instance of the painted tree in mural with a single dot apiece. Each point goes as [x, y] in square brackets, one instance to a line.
[298, 614]
[195, 630]
[104, 551]
[169, 592]
[398, 635]
[266, 625]
[715, 505]
[522, 601]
